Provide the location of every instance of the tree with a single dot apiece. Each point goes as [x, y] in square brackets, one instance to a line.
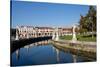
[88, 23]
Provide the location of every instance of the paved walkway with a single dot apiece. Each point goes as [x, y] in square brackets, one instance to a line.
[78, 45]
[79, 42]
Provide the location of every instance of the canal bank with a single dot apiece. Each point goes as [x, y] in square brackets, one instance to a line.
[82, 49]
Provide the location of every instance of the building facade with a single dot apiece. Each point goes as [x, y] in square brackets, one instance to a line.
[33, 32]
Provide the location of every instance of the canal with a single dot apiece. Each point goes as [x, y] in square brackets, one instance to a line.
[38, 54]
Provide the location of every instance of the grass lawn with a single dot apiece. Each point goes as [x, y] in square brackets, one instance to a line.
[80, 37]
[67, 37]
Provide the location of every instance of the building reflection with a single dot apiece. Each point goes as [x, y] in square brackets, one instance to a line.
[40, 44]
[17, 54]
[29, 46]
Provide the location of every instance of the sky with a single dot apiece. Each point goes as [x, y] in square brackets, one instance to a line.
[46, 14]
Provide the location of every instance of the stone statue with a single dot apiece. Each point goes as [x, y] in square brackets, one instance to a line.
[57, 35]
[17, 38]
[74, 34]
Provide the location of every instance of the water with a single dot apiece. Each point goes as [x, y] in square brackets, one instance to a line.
[42, 54]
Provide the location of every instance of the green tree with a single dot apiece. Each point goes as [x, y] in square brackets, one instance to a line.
[88, 23]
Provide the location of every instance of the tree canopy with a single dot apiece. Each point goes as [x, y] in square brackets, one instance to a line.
[87, 23]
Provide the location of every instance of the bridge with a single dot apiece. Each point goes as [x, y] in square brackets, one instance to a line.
[25, 36]
[28, 34]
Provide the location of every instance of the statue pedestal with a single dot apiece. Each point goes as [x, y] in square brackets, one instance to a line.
[16, 37]
[57, 38]
[55, 35]
[74, 37]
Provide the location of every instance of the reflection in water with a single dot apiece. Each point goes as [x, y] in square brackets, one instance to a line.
[53, 48]
[31, 45]
[58, 57]
[74, 58]
[17, 54]
[57, 53]
[42, 53]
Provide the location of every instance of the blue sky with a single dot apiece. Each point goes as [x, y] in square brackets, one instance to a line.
[46, 14]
